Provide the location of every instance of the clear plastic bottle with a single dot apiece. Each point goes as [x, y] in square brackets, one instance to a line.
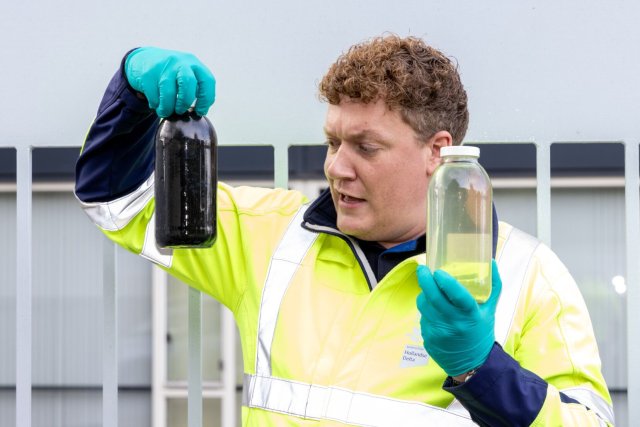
[185, 182]
[459, 220]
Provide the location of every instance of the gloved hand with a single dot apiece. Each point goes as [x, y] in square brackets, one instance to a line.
[457, 331]
[170, 80]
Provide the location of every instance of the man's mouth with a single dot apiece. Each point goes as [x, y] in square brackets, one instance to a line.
[350, 199]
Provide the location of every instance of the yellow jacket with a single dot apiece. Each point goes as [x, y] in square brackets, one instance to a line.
[320, 348]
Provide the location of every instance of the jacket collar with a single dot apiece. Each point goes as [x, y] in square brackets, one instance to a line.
[322, 211]
[321, 216]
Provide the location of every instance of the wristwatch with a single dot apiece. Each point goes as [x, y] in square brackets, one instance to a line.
[466, 378]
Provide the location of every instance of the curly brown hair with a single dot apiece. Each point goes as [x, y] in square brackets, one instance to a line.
[410, 76]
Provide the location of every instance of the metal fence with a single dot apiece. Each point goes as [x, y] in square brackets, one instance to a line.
[110, 361]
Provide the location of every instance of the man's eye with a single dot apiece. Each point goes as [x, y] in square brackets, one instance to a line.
[367, 148]
[332, 144]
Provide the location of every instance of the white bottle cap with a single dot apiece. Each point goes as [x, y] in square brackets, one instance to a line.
[460, 150]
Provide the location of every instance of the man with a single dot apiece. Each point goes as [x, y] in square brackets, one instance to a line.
[325, 294]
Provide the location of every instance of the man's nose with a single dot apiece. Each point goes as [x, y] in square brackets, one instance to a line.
[339, 165]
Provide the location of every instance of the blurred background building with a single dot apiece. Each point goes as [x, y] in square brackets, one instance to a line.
[587, 229]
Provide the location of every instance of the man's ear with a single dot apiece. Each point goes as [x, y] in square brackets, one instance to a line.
[436, 142]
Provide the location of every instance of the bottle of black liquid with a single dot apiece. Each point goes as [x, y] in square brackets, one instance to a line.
[185, 182]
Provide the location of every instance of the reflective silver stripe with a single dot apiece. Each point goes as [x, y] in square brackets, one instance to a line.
[592, 400]
[513, 263]
[284, 263]
[150, 249]
[313, 401]
[115, 215]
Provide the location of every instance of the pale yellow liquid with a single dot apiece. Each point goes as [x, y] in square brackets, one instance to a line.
[474, 276]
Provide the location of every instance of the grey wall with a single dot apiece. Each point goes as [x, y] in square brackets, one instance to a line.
[533, 69]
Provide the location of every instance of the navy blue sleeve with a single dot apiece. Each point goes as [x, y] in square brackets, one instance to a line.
[118, 153]
[501, 393]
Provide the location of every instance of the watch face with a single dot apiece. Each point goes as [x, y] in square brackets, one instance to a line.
[470, 374]
[466, 378]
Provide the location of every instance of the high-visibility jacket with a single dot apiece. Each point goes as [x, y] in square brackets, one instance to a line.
[320, 347]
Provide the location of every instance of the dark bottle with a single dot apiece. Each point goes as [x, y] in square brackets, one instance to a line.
[185, 182]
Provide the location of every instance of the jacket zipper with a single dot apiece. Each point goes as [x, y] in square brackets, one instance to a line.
[355, 248]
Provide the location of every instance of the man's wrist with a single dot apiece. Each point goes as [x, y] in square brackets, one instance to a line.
[461, 379]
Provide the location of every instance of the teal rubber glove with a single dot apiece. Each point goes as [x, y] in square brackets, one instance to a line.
[170, 80]
[458, 332]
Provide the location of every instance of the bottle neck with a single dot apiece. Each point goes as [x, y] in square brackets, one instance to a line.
[451, 159]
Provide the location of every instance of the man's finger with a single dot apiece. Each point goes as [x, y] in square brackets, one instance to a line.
[167, 94]
[206, 91]
[433, 294]
[457, 294]
[186, 83]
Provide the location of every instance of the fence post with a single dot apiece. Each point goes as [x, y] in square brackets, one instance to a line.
[24, 292]
[543, 191]
[110, 335]
[632, 219]
[194, 407]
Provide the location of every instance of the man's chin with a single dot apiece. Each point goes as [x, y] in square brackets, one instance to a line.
[353, 230]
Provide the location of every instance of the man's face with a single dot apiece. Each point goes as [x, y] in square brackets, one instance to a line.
[378, 172]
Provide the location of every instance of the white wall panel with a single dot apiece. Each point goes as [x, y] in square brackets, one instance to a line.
[68, 300]
[517, 207]
[7, 407]
[134, 319]
[82, 408]
[589, 237]
[67, 293]
[7, 289]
